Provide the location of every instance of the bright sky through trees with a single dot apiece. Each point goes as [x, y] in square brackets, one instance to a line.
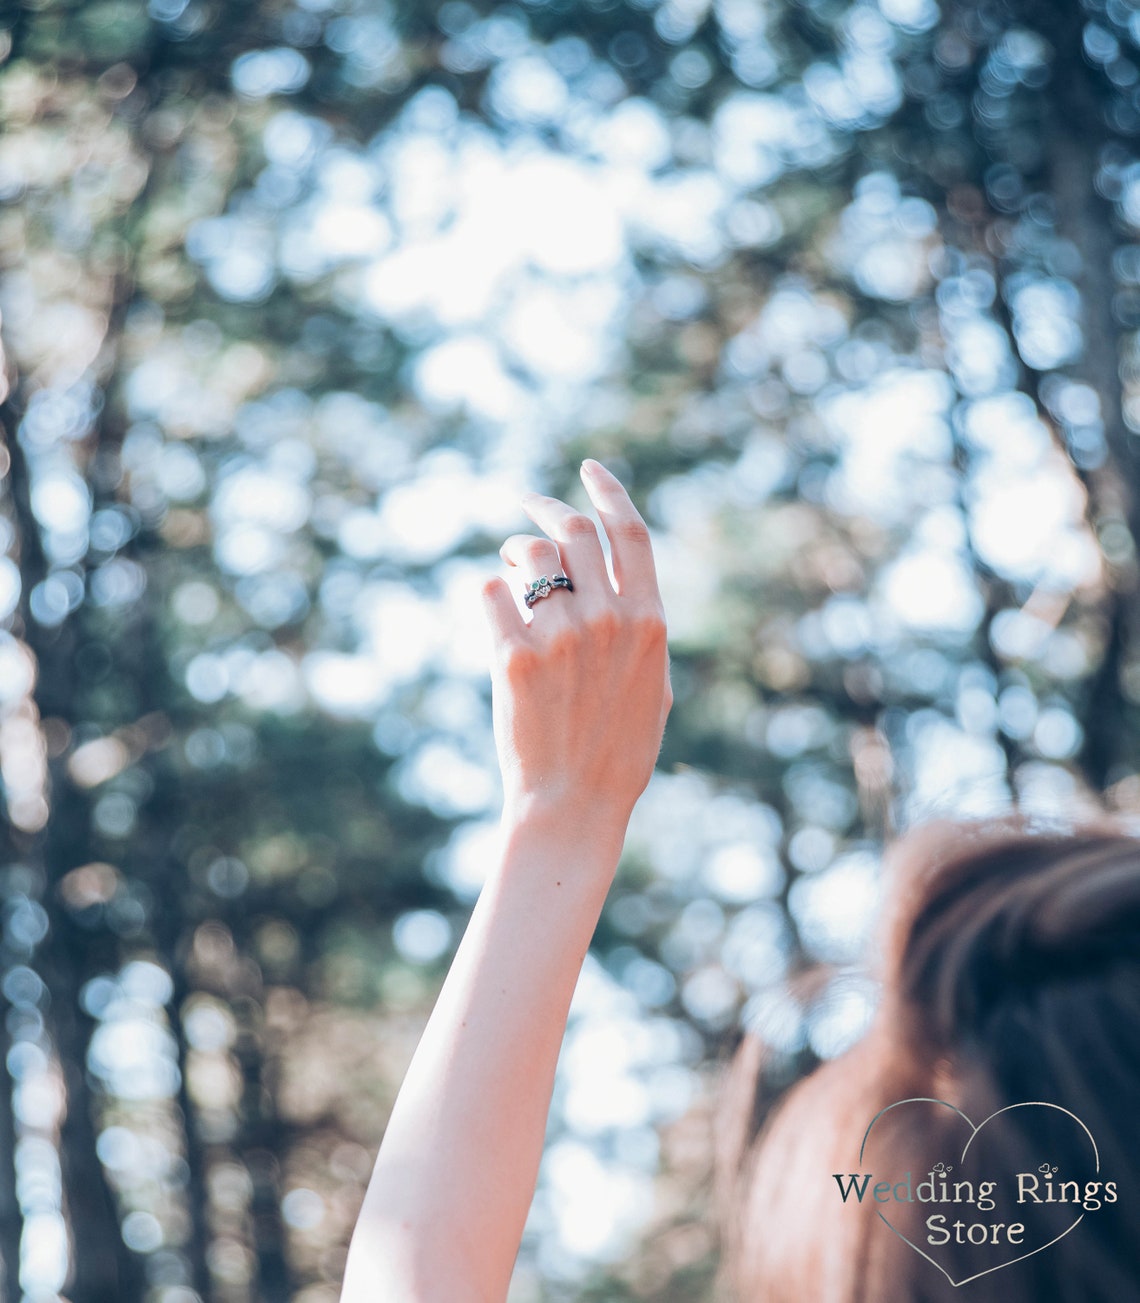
[296, 300]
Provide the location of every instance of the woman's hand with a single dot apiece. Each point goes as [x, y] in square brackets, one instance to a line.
[581, 692]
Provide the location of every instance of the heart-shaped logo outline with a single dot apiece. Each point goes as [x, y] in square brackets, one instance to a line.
[1032, 1103]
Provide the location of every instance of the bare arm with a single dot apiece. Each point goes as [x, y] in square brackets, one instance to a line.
[580, 700]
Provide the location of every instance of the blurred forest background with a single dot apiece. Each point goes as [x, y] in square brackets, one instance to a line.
[297, 297]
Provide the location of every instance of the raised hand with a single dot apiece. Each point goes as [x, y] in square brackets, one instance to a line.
[581, 690]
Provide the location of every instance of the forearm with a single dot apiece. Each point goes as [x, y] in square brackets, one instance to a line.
[457, 1168]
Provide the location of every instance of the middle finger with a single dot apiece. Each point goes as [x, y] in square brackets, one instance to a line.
[576, 536]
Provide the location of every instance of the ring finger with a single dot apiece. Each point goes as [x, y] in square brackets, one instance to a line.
[533, 557]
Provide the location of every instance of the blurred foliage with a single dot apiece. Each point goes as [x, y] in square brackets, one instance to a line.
[297, 297]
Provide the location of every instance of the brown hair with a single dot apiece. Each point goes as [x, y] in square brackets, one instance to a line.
[1010, 973]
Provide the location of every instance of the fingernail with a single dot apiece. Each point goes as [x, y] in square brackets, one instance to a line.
[592, 467]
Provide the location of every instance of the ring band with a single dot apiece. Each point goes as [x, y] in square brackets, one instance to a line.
[543, 587]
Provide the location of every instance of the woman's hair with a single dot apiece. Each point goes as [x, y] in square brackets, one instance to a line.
[1010, 969]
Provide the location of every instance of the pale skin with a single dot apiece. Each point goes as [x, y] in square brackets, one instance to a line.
[580, 697]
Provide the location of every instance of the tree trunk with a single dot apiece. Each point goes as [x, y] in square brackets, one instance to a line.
[103, 1268]
[1073, 130]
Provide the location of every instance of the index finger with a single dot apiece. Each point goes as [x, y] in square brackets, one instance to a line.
[630, 546]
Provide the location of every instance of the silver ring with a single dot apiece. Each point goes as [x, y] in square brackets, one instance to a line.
[543, 587]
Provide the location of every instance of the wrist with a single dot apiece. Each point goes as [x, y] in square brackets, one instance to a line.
[570, 817]
[583, 838]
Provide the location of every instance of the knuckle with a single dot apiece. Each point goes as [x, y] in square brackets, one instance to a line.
[651, 628]
[536, 548]
[606, 624]
[578, 525]
[632, 529]
[519, 663]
